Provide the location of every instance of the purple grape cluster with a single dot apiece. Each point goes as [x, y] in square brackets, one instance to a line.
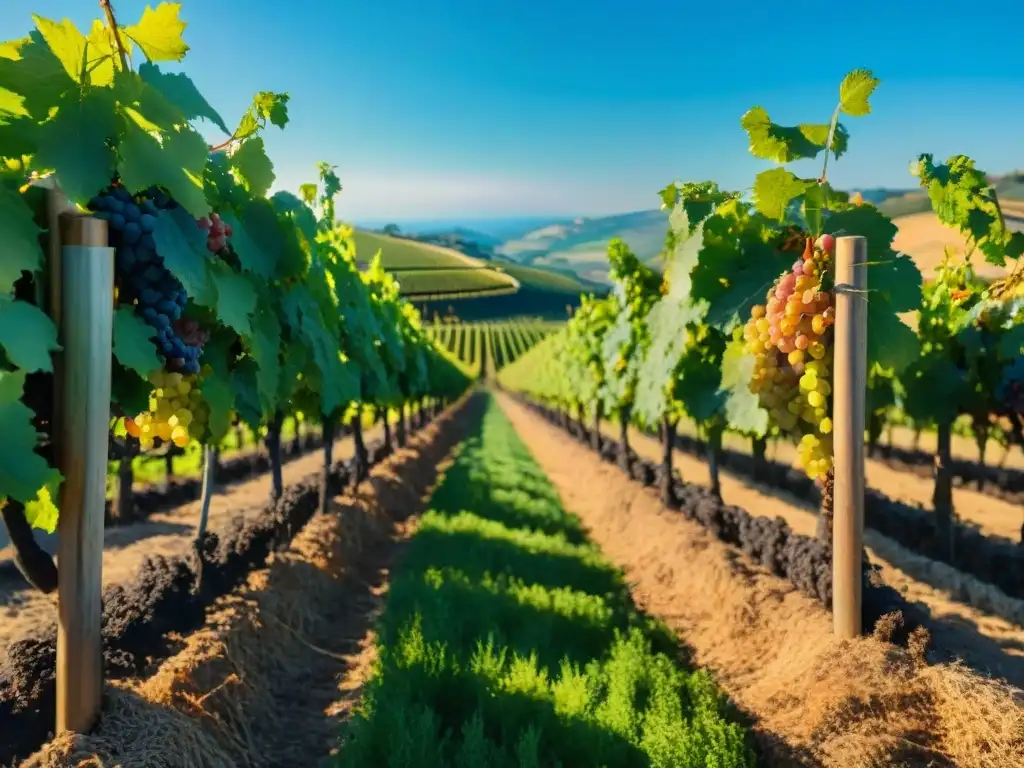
[141, 272]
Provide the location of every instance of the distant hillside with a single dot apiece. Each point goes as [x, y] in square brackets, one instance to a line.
[581, 246]
[435, 277]
[1009, 188]
[427, 269]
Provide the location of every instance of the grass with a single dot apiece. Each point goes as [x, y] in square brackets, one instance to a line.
[509, 641]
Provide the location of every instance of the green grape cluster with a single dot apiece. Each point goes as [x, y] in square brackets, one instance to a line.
[177, 411]
[791, 339]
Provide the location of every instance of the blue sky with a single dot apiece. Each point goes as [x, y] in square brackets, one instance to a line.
[470, 108]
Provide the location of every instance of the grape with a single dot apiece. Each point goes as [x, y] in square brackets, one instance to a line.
[132, 233]
[143, 278]
[171, 417]
[790, 339]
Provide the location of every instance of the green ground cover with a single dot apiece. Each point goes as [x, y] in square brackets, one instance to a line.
[508, 640]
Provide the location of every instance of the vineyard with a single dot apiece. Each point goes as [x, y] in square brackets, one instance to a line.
[258, 511]
[501, 343]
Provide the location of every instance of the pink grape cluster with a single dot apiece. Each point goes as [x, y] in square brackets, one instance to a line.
[217, 232]
[791, 340]
[191, 332]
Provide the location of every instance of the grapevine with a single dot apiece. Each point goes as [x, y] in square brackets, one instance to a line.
[232, 303]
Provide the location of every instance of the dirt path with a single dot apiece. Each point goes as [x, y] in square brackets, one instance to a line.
[162, 534]
[976, 620]
[280, 664]
[993, 516]
[771, 647]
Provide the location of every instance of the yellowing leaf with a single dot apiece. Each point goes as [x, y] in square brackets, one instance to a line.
[67, 44]
[775, 189]
[158, 33]
[855, 91]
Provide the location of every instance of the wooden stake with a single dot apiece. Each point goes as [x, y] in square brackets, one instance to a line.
[86, 333]
[848, 416]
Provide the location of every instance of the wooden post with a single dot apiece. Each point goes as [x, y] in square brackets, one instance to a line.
[85, 328]
[848, 415]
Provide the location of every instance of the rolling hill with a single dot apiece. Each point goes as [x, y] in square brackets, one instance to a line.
[580, 246]
[435, 277]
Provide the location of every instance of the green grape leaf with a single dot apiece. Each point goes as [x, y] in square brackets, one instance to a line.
[265, 344]
[67, 44]
[29, 70]
[266, 106]
[699, 385]
[1011, 344]
[892, 275]
[256, 238]
[220, 398]
[248, 402]
[866, 221]
[855, 90]
[18, 135]
[158, 33]
[74, 143]
[42, 511]
[775, 189]
[182, 245]
[891, 344]
[736, 266]
[253, 167]
[19, 249]
[177, 165]
[152, 110]
[236, 298]
[180, 91]
[933, 385]
[743, 409]
[128, 390]
[897, 279]
[300, 213]
[816, 205]
[23, 472]
[133, 342]
[782, 144]
[28, 335]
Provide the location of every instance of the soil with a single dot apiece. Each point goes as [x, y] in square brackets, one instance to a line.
[975, 621]
[162, 534]
[994, 517]
[814, 700]
[280, 664]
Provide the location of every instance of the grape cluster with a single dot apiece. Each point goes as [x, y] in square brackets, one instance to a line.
[177, 411]
[159, 296]
[217, 232]
[790, 338]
